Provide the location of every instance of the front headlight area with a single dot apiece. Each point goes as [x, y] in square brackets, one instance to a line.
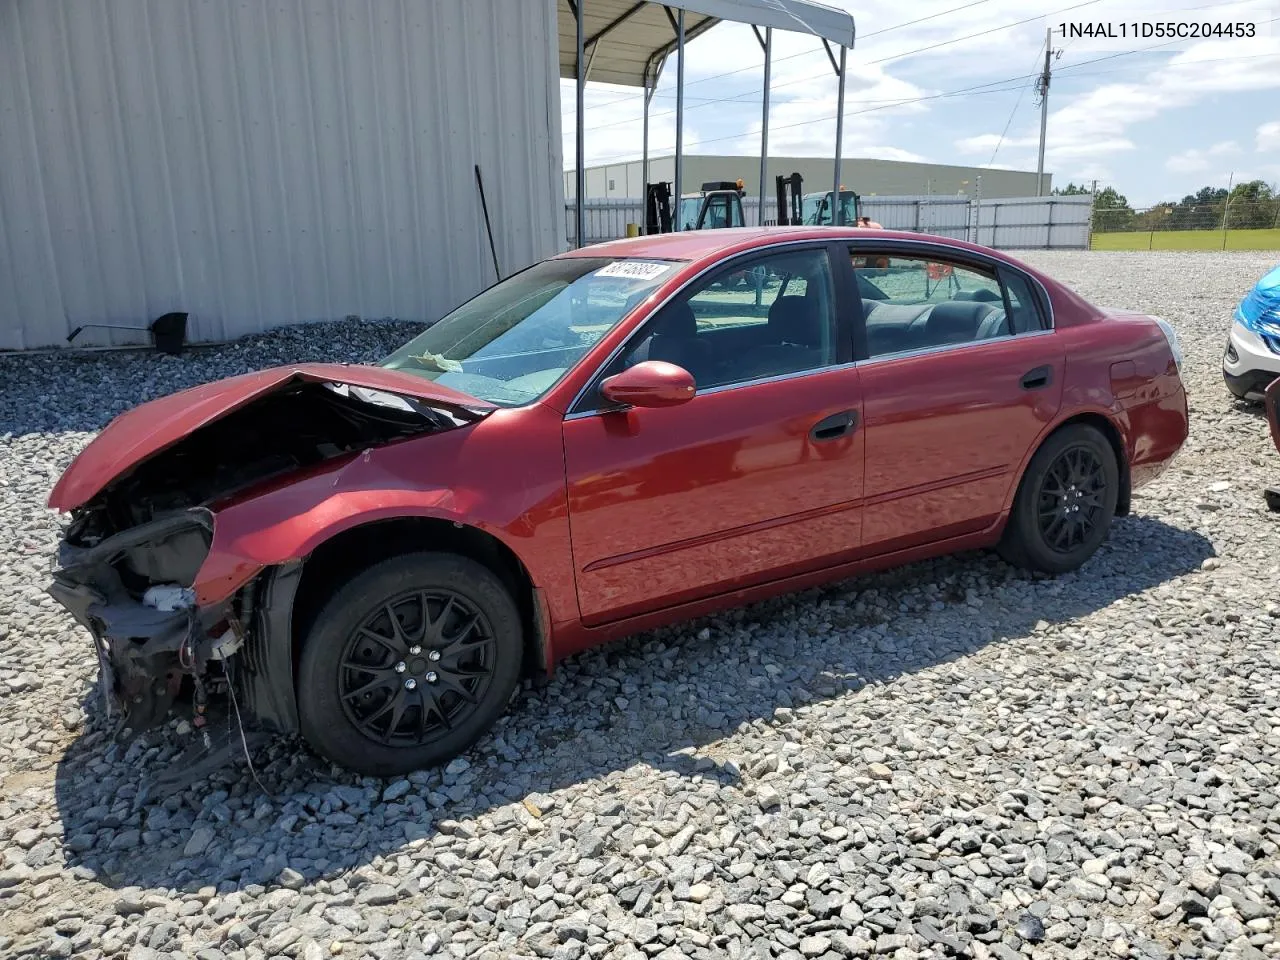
[132, 590]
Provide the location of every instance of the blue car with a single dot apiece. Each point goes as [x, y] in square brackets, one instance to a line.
[1252, 358]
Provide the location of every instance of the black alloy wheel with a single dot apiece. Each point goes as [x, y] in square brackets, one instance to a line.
[1071, 498]
[1064, 505]
[415, 665]
[409, 663]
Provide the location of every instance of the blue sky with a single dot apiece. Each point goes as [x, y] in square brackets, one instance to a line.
[1155, 124]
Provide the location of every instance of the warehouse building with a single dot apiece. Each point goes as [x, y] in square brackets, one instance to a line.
[255, 164]
[869, 177]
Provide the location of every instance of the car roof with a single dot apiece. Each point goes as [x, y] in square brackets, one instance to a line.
[698, 244]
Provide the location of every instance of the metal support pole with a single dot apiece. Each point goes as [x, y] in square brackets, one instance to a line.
[835, 183]
[977, 237]
[679, 112]
[644, 164]
[764, 123]
[580, 180]
[1044, 107]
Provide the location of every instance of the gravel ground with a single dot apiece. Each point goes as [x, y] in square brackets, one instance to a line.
[949, 759]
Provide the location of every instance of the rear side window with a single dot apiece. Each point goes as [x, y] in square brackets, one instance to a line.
[913, 303]
[920, 303]
[1023, 303]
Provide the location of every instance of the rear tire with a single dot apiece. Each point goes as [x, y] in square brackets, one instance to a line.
[409, 663]
[1065, 502]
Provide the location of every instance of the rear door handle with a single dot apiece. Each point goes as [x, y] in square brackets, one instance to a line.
[836, 425]
[1037, 379]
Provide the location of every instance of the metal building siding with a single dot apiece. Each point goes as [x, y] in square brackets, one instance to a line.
[261, 162]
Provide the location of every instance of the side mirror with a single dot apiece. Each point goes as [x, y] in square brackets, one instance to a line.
[653, 383]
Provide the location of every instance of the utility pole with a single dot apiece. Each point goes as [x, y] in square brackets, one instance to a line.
[1042, 88]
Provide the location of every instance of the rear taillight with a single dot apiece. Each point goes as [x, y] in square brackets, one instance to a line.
[1171, 335]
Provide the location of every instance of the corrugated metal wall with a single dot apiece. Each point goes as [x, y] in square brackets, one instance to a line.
[269, 161]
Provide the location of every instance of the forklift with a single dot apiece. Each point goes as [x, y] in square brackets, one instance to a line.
[813, 209]
[718, 204]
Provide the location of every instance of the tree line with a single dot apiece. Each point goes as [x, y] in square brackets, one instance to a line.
[1248, 206]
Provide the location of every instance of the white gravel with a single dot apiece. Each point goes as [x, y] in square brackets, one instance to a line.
[953, 758]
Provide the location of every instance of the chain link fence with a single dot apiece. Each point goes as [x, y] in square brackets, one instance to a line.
[1221, 225]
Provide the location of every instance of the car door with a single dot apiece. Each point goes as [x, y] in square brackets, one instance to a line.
[758, 476]
[962, 373]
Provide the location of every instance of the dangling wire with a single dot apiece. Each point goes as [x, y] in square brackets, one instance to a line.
[1017, 103]
[235, 704]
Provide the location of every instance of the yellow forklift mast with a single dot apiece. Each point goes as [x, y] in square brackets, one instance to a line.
[717, 205]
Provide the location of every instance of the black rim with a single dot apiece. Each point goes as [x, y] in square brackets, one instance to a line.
[416, 666]
[1071, 499]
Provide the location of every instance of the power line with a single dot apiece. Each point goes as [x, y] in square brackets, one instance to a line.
[793, 56]
[1022, 89]
[892, 101]
[751, 97]
[980, 33]
[805, 123]
[975, 90]
[1188, 63]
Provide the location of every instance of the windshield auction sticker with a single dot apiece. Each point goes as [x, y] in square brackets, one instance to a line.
[1164, 30]
[634, 270]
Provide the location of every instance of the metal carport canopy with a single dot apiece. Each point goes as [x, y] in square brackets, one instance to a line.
[628, 41]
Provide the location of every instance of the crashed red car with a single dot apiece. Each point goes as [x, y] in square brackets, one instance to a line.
[623, 436]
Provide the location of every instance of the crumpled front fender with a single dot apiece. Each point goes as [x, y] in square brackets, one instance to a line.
[288, 526]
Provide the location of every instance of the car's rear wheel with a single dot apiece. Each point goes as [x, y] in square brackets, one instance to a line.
[409, 663]
[1064, 505]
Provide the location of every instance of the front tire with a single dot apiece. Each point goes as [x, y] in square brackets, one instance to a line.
[409, 663]
[1064, 505]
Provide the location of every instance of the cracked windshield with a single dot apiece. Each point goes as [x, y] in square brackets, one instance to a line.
[513, 342]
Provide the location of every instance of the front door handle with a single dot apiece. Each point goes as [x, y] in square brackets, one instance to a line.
[1037, 379]
[836, 425]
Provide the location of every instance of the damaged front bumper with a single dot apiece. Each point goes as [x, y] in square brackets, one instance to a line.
[132, 592]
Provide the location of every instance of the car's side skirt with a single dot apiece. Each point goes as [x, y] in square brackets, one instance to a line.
[573, 638]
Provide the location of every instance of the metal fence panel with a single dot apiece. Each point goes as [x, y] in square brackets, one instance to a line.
[1059, 223]
[1026, 223]
[939, 216]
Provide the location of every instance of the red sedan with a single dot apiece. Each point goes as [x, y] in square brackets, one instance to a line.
[626, 435]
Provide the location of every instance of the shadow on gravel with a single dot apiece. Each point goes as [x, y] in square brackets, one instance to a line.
[647, 700]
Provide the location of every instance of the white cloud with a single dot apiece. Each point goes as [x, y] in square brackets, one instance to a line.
[1268, 137]
[1138, 123]
[1097, 123]
[1090, 172]
[1189, 161]
[1194, 160]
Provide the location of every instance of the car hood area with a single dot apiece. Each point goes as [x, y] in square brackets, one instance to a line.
[358, 404]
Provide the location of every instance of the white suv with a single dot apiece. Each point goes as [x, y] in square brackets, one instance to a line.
[1252, 358]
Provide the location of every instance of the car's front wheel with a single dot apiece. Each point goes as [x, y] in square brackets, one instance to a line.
[409, 663]
[1064, 505]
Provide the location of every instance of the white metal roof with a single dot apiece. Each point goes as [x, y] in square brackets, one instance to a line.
[627, 40]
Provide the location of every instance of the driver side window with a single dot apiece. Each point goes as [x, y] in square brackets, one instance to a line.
[765, 318]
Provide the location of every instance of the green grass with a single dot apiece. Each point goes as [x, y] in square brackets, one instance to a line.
[1188, 240]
